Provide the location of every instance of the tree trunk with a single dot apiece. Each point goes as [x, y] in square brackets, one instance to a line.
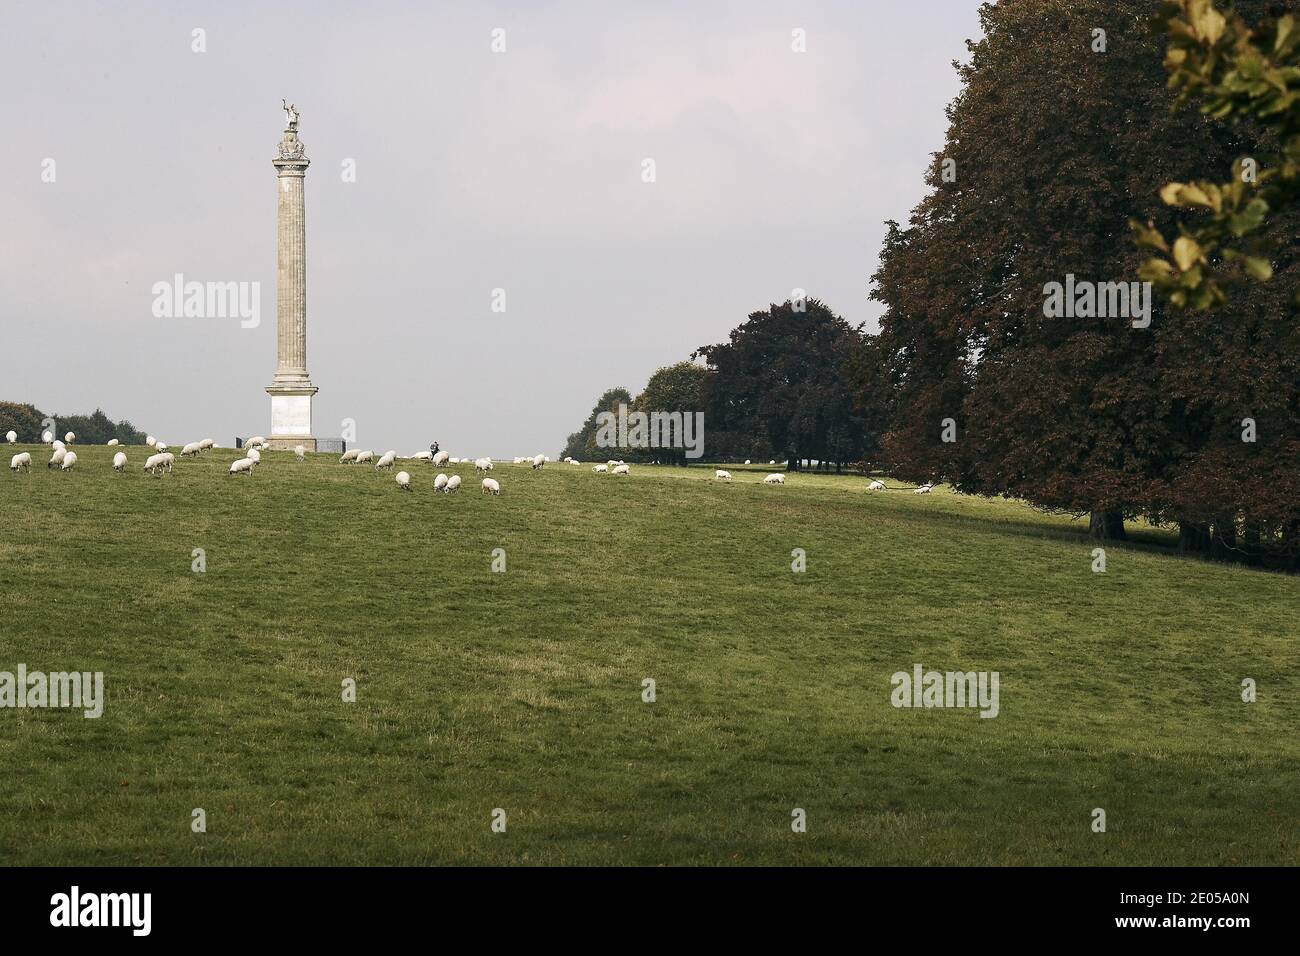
[1106, 526]
[1192, 538]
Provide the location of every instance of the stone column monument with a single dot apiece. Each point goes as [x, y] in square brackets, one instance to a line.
[291, 390]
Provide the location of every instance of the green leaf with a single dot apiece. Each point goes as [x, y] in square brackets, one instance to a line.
[1187, 252]
[1260, 269]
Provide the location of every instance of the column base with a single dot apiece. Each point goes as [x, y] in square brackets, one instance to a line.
[291, 418]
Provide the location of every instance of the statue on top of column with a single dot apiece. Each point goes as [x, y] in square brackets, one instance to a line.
[291, 113]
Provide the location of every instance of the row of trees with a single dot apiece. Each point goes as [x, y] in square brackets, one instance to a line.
[94, 429]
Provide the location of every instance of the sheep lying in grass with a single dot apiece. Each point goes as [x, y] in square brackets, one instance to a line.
[349, 457]
[191, 450]
[11, 437]
[56, 460]
[441, 458]
[620, 470]
[242, 466]
[600, 469]
[721, 475]
[119, 461]
[386, 460]
[113, 443]
[69, 459]
[365, 457]
[403, 481]
[877, 486]
[491, 486]
[776, 479]
[453, 484]
[925, 489]
[20, 462]
[440, 483]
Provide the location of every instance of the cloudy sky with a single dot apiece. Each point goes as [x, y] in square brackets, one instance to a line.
[475, 171]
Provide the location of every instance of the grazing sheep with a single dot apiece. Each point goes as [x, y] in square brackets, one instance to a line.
[257, 441]
[58, 445]
[611, 463]
[440, 482]
[365, 457]
[11, 437]
[600, 469]
[539, 461]
[440, 458]
[149, 440]
[255, 455]
[206, 444]
[619, 470]
[403, 481]
[925, 489]
[69, 438]
[299, 452]
[160, 446]
[113, 443]
[153, 464]
[47, 437]
[721, 475]
[453, 483]
[56, 459]
[877, 486]
[777, 479]
[119, 461]
[519, 461]
[69, 459]
[243, 466]
[190, 450]
[483, 464]
[422, 456]
[348, 457]
[491, 486]
[386, 460]
[20, 462]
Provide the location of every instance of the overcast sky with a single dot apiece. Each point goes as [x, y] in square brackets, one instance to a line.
[474, 171]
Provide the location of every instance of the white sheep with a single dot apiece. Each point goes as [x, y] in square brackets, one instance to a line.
[455, 461]
[20, 462]
[69, 438]
[453, 483]
[491, 486]
[148, 440]
[113, 443]
[422, 456]
[619, 470]
[772, 462]
[169, 460]
[160, 445]
[257, 441]
[611, 463]
[119, 461]
[440, 458]
[539, 461]
[483, 464]
[56, 459]
[255, 456]
[440, 482]
[365, 457]
[348, 457]
[58, 445]
[69, 459]
[721, 475]
[11, 437]
[242, 466]
[519, 461]
[600, 469]
[776, 479]
[877, 486]
[154, 464]
[574, 461]
[747, 461]
[206, 444]
[190, 450]
[403, 481]
[386, 460]
[299, 452]
[925, 489]
[47, 437]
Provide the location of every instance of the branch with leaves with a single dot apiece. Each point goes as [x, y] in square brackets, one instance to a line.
[1235, 73]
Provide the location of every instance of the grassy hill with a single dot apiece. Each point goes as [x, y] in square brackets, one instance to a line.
[522, 690]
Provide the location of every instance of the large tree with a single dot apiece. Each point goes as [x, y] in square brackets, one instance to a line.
[1059, 135]
[582, 443]
[677, 388]
[783, 375]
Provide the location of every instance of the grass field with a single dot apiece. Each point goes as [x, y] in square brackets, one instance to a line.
[522, 690]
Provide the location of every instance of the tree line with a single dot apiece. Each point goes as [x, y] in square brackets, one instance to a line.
[29, 423]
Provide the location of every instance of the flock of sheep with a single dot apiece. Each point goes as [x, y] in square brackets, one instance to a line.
[163, 461]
